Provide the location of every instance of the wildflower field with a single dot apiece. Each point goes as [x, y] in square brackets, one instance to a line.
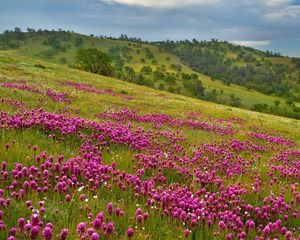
[88, 157]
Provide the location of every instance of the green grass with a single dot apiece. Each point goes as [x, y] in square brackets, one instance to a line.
[14, 67]
[33, 46]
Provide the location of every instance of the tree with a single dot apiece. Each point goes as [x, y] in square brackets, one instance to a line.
[19, 35]
[170, 79]
[199, 89]
[146, 69]
[129, 74]
[290, 101]
[78, 42]
[95, 61]
[30, 30]
[277, 102]
[234, 101]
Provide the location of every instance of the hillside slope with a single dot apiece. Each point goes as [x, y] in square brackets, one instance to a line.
[82, 154]
[267, 72]
[167, 72]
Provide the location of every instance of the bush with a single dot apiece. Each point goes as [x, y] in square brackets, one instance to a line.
[78, 42]
[63, 60]
[39, 66]
[47, 53]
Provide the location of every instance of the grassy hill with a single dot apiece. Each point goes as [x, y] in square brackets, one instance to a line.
[87, 155]
[61, 47]
[266, 72]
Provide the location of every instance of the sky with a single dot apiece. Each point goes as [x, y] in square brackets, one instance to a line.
[264, 24]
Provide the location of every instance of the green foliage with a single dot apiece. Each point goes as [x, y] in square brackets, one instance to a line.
[53, 42]
[129, 74]
[199, 89]
[78, 42]
[234, 101]
[277, 102]
[161, 86]
[39, 66]
[245, 67]
[148, 53]
[211, 95]
[170, 79]
[290, 101]
[63, 60]
[18, 34]
[176, 67]
[48, 53]
[146, 69]
[95, 61]
[265, 108]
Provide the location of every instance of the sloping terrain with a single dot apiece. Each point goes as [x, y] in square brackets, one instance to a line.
[133, 59]
[90, 157]
[266, 72]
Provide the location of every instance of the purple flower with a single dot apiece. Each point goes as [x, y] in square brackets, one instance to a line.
[109, 228]
[47, 233]
[187, 232]
[21, 223]
[81, 227]
[12, 231]
[129, 232]
[109, 208]
[34, 232]
[63, 234]
[95, 236]
[139, 218]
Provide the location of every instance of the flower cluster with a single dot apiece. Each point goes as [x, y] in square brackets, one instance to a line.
[164, 120]
[215, 185]
[25, 86]
[90, 89]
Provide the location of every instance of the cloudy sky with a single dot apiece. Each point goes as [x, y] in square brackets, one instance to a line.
[264, 24]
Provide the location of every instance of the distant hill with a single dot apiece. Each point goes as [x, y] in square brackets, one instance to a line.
[211, 70]
[266, 72]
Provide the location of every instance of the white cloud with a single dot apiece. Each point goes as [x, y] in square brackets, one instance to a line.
[292, 11]
[252, 43]
[164, 3]
[276, 3]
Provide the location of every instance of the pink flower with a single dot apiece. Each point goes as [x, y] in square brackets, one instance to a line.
[129, 232]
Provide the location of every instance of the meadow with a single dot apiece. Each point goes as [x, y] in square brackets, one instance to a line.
[61, 48]
[85, 156]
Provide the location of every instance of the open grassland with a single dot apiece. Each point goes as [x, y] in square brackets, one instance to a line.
[90, 157]
[33, 46]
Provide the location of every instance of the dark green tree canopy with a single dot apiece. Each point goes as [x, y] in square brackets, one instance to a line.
[95, 61]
